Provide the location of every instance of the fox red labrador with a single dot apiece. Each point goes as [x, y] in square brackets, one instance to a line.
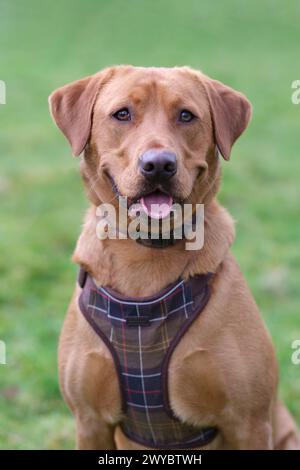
[162, 347]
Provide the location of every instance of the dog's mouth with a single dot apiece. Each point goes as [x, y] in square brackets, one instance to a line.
[160, 203]
[156, 203]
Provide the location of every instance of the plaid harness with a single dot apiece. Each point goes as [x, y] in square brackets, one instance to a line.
[141, 334]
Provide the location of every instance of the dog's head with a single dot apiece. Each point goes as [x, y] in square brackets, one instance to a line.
[151, 134]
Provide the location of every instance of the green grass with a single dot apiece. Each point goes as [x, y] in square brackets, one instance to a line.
[253, 46]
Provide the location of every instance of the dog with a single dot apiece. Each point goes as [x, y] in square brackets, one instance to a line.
[157, 134]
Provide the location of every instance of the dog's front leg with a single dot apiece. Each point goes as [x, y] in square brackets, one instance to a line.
[92, 433]
[251, 435]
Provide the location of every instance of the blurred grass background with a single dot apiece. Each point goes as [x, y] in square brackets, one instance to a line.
[252, 46]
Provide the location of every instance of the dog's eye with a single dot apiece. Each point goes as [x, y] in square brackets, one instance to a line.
[186, 116]
[122, 115]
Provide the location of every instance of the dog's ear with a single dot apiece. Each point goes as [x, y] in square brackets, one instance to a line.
[71, 107]
[231, 113]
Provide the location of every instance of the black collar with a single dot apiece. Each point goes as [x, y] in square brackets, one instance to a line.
[158, 242]
[164, 242]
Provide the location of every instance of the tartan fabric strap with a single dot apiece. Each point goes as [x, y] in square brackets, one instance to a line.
[141, 334]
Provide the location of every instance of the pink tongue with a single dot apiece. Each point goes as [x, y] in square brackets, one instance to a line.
[157, 205]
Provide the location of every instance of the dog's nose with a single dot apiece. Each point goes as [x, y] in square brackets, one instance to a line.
[157, 164]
